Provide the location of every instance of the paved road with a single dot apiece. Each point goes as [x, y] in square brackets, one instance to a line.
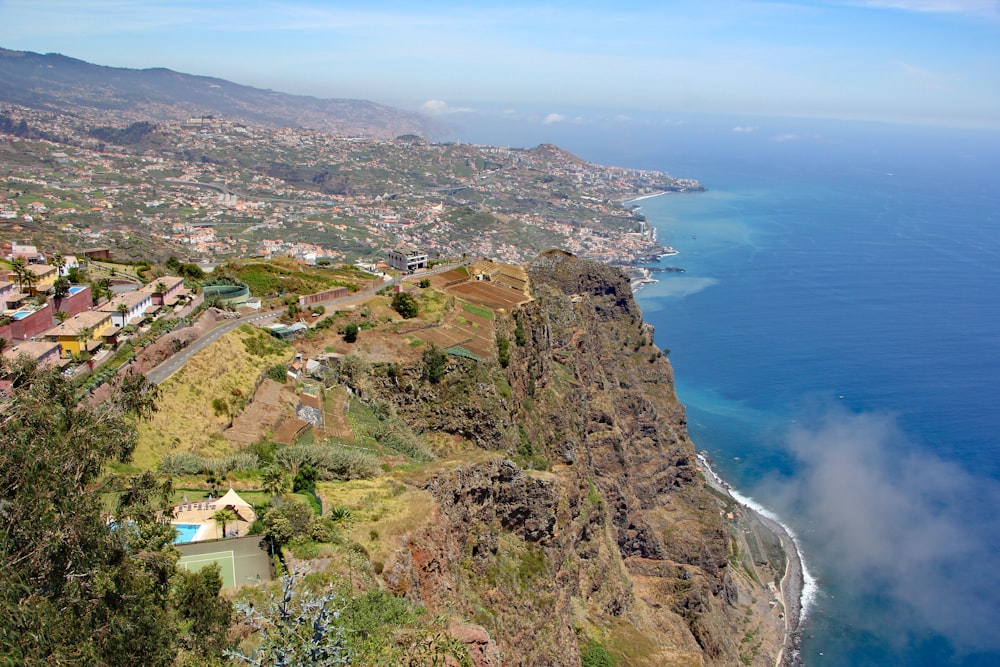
[177, 361]
[174, 363]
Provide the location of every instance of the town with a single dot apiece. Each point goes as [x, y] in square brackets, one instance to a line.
[209, 189]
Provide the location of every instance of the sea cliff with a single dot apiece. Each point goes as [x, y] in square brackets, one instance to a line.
[586, 520]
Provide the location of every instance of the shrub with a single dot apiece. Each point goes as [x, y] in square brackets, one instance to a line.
[397, 434]
[596, 655]
[435, 364]
[330, 461]
[405, 304]
[351, 333]
[503, 351]
[278, 373]
[240, 461]
[181, 463]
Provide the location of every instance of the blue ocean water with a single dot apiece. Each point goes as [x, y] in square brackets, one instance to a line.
[836, 340]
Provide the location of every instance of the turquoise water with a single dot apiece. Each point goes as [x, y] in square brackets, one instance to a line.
[836, 340]
[186, 532]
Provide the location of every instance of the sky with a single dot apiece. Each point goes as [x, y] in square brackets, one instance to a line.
[923, 61]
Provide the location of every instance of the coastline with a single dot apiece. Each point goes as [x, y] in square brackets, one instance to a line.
[796, 584]
[630, 200]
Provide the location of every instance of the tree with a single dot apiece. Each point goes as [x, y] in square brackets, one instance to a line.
[29, 280]
[59, 262]
[305, 478]
[75, 274]
[3, 344]
[74, 590]
[60, 288]
[61, 315]
[161, 287]
[205, 617]
[405, 304]
[286, 520]
[122, 311]
[83, 336]
[435, 364]
[20, 268]
[351, 332]
[224, 516]
[275, 481]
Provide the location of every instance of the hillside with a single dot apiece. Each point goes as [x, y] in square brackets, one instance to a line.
[590, 522]
[540, 493]
[57, 83]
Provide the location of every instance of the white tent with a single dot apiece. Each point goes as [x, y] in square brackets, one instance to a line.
[243, 509]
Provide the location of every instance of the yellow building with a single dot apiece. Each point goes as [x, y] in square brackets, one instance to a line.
[68, 333]
[45, 276]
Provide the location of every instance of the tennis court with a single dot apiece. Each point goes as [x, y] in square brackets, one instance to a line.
[225, 559]
[242, 560]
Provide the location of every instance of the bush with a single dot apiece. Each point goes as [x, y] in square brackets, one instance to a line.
[331, 462]
[278, 373]
[397, 434]
[405, 304]
[435, 364]
[596, 655]
[503, 351]
[241, 461]
[351, 333]
[181, 463]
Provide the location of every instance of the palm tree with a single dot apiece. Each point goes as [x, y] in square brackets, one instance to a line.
[275, 481]
[60, 288]
[62, 316]
[82, 336]
[224, 516]
[30, 280]
[3, 344]
[20, 268]
[122, 311]
[58, 262]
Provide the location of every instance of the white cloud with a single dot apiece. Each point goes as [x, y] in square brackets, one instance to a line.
[561, 118]
[440, 107]
[900, 523]
[744, 129]
[970, 7]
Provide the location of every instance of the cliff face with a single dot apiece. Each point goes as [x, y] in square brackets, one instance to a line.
[618, 541]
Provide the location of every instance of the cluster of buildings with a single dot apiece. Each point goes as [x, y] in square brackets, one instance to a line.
[328, 197]
[56, 324]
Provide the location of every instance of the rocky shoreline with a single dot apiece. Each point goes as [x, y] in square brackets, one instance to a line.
[791, 587]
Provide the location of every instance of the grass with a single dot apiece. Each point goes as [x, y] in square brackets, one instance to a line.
[198, 401]
[478, 311]
[382, 511]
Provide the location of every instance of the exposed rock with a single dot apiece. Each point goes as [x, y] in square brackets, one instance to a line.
[620, 541]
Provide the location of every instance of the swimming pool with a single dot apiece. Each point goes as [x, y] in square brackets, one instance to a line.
[21, 314]
[186, 532]
[76, 289]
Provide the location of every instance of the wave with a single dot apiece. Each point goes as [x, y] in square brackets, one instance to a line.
[810, 588]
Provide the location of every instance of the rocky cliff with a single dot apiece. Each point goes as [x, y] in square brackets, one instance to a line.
[586, 525]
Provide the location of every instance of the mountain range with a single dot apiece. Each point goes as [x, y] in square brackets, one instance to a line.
[57, 83]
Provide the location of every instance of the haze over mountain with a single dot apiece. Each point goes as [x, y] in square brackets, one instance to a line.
[59, 83]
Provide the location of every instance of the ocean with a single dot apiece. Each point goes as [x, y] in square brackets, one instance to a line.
[835, 336]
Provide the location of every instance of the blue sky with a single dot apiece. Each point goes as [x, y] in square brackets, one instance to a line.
[934, 61]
